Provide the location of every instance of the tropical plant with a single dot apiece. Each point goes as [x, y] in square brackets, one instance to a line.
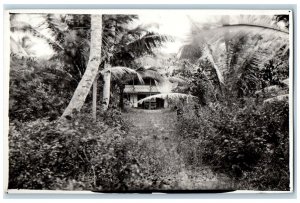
[234, 127]
[68, 43]
[44, 156]
[124, 45]
[90, 73]
[234, 58]
[69, 35]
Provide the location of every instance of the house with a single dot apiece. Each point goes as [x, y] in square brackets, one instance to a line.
[135, 91]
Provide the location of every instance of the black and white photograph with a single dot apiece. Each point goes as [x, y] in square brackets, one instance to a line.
[138, 101]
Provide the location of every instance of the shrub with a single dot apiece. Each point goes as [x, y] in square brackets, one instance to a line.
[249, 144]
[38, 89]
[81, 155]
[194, 129]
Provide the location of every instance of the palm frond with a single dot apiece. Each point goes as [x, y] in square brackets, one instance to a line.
[246, 25]
[171, 96]
[269, 89]
[208, 55]
[286, 81]
[150, 73]
[115, 34]
[263, 25]
[17, 49]
[163, 84]
[25, 27]
[240, 47]
[118, 72]
[119, 19]
[177, 80]
[284, 97]
[136, 33]
[254, 27]
[190, 51]
[146, 43]
[55, 27]
[122, 44]
[265, 22]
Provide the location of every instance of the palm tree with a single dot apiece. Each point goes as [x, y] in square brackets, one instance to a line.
[126, 46]
[117, 74]
[234, 55]
[231, 56]
[72, 32]
[69, 35]
[64, 34]
[91, 71]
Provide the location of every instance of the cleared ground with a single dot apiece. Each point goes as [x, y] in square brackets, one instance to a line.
[157, 130]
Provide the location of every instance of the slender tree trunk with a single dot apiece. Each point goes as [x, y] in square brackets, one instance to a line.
[94, 108]
[226, 20]
[121, 102]
[150, 95]
[91, 71]
[106, 88]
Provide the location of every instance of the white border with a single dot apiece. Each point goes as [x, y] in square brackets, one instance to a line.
[141, 11]
[291, 100]
[154, 11]
[6, 33]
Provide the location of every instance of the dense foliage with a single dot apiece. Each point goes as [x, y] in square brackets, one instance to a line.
[38, 89]
[250, 144]
[239, 123]
[80, 154]
[84, 154]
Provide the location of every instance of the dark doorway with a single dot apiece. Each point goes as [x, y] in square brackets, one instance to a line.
[159, 103]
[151, 104]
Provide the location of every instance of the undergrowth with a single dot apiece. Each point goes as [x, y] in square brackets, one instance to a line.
[249, 144]
[80, 154]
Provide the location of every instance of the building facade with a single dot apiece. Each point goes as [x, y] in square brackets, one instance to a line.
[135, 91]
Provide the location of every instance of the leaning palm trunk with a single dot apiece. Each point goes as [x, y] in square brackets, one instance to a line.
[91, 71]
[106, 88]
[94, 107]
[208, 55]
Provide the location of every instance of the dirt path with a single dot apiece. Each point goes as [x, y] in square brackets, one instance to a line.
[158, 127]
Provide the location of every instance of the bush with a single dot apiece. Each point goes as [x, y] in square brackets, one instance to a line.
[193, 129]
[249, 144]
[38, 89]
[78, 155]
[86, 155]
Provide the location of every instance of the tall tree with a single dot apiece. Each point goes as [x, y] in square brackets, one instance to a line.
[122, 45]
[237, 53]
[91, 71]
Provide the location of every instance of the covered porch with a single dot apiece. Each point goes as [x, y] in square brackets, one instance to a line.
[133, 93]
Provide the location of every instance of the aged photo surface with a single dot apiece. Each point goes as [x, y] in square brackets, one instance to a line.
[153, 100]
